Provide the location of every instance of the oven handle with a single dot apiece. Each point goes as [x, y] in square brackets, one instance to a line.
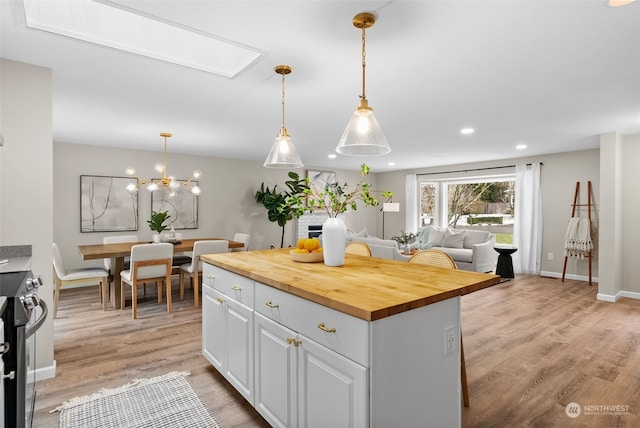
[36, 325]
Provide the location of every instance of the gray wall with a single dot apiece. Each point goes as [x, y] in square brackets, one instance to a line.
[559, 175]
[26, 188]
[227, 203]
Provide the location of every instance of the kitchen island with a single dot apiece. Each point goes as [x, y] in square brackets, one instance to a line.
[371, 343]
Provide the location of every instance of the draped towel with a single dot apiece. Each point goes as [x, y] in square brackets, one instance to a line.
[577, 239]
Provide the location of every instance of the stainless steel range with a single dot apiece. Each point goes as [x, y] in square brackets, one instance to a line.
[23, 315]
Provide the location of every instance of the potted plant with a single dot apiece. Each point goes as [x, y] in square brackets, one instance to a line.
[334, 199]
[156, 223]
[405, 240]
[275, 201]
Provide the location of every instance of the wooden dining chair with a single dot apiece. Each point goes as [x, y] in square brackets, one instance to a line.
[439, 258]
[149, 263]
[194, 269]
[358, 248]
[63, 276]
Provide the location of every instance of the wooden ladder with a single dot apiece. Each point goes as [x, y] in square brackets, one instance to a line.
[589, 206]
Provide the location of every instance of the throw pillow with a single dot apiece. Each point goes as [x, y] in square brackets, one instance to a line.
[351, 234]
[436, 236]
[453, 238]
[423, 235]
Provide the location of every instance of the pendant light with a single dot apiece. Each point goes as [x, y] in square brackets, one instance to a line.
[363, 135]
[283, 153]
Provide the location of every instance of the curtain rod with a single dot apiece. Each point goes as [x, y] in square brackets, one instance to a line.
[472, 169]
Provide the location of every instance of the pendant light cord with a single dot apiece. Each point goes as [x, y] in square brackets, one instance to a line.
[283, 127]
[364, 63]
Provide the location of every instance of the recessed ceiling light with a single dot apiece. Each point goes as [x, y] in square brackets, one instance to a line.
[130, 31]
[467, 131]
[521, 146]
[616, 3]
[391, 164]
[331, 156]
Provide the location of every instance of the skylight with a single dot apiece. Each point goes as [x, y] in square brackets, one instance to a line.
[125, 30]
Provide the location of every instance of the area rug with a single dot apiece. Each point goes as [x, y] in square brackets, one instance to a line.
[164, 401]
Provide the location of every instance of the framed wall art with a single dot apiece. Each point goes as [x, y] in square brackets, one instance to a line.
[106, 205]
[319, 179]
[182, 207]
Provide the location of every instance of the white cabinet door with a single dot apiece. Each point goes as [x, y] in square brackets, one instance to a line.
[238, 321]
[276, 373]
[227, 339]
[333, 390]
[213, 327]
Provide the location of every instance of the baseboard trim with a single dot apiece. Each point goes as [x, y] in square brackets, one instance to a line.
[622, 293]
[46, 372]
[568, 276]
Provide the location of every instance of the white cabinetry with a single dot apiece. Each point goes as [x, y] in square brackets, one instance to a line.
[303, 364]
[300, 382]
[227, 327]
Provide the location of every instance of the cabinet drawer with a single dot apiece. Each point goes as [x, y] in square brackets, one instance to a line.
[344, 334]
[236, 286]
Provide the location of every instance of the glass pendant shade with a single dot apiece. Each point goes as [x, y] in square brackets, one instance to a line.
[363, 135]
[283, 153]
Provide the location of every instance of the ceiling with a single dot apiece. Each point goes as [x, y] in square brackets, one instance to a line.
[549, 74]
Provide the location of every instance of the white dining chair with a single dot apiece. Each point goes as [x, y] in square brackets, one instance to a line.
[149, 263]
[118, 239]
[244, 238]
[65, 276]
[194, 269]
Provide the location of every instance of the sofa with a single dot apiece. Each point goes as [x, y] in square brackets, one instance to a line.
[470, 249]
[381, 248]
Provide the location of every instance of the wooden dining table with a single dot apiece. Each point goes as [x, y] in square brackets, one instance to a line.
[117, 253]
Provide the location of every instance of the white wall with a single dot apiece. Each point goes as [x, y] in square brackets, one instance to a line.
[26, 187]
[227, 203]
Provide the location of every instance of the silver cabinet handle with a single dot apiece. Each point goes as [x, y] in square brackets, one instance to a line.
[211, 276]
[4, 347]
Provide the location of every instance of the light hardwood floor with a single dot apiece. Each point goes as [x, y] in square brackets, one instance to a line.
[532, 346]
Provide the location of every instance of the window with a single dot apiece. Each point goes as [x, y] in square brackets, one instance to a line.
[482, 203]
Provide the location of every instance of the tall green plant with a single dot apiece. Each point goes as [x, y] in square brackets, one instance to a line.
[275, 201]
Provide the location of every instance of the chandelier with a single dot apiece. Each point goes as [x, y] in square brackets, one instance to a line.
[363, 135]
[167, 181]
[283, 153]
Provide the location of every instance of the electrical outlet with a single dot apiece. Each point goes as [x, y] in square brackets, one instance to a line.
[450, 340]
[550, 256]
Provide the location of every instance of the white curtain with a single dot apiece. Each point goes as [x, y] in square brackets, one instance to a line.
[411, 203]
[527, 233]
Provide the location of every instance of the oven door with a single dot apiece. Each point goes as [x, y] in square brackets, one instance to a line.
[38, 316]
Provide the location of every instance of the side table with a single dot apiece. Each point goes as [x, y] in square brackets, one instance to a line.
[504, 267]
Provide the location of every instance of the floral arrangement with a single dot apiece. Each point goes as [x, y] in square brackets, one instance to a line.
[334, 198]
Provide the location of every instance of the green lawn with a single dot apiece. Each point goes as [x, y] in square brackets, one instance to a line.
[504, 238]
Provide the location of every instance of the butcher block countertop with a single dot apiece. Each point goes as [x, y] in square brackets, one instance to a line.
[364, 287]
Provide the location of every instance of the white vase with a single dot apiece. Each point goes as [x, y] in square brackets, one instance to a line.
[334, 239]
[156, 238]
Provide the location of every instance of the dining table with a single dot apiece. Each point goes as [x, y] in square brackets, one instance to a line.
[118, 251]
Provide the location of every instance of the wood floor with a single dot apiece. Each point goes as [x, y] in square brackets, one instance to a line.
[533, 345]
